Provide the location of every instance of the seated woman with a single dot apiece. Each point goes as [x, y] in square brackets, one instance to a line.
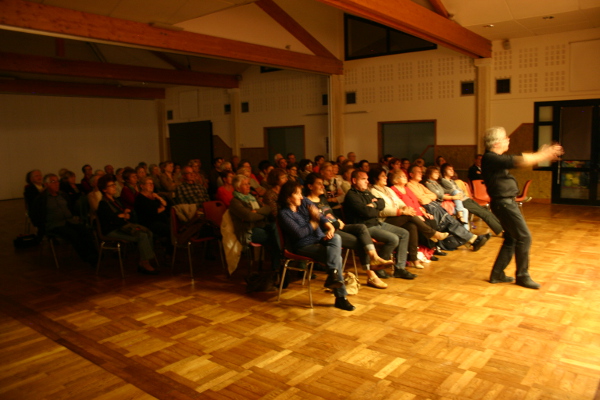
[251, 221]
[151, 212]
[397, 213]
[225, 192]
[168, 185]
[433, 183]
[71, 188]
[95, 195]
[292, 171]
[333, 189]
[302, 225]
[264, 167]
[114, 223]
[346, 177]
[130, 190]
[354, 236]
[276, 179]
[305, 167]
[451, 185]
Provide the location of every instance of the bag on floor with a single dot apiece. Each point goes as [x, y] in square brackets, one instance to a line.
[352, 283]
[450, 243]
[25, 241]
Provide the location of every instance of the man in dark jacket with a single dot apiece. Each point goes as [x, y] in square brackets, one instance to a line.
[51, 215]
[361, 207]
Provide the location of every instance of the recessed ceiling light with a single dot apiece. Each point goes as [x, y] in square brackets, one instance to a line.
[548, 17]
[489, 26]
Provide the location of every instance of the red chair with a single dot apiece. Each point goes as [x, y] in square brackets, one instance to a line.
[480, 194]
[175, 225]
[523, 198]
[289, 257]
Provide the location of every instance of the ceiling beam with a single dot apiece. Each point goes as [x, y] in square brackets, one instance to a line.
[293, 27]
[38, 18]
[409, 17]
[89, 69]
[50, 88]
[439, 8]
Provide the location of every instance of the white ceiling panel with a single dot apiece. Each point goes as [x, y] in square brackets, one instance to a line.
[478, 12]
[533, 8]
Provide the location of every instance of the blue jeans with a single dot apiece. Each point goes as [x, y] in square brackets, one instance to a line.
[329, 253]
[143, 240]
[394, 238]
[517, 238]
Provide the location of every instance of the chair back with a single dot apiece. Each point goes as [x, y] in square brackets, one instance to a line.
[523, 194]
[480, 194]
[214, 210]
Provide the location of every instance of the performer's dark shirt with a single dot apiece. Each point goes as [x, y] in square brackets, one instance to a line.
[494, 171]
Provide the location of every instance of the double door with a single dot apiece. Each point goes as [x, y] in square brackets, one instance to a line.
[575, 125]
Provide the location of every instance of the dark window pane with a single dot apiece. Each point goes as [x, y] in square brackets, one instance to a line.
[401, 42]
[365, 39]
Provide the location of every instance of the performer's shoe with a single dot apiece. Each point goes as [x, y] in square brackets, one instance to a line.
[501, 279]
[343, 304]
[527, 282]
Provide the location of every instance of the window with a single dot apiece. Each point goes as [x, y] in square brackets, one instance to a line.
[365, 39]
[467, 88]
[351, 98]
[502, 86]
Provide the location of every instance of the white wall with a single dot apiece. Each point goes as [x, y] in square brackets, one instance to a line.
[416, 86]
[49, 133]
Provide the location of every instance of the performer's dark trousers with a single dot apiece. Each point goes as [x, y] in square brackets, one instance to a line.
[517, 238]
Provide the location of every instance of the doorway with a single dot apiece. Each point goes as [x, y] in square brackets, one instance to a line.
[576, 125]
[191, 140]
[284, 140]
[410, 139]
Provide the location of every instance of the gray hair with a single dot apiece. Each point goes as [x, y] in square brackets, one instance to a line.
[493, 135]
[238, 180]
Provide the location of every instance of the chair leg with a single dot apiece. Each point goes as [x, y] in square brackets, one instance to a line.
[189, 249]
[310, 269]
[51, 240]
[99, 257]
[120, 260]
[282, 278]
[173, 259]
[222, 255]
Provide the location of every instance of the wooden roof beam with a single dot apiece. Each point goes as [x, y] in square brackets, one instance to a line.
[439, 8]
[38, 18]
[89, 69]
[409, 17]
[50, 88]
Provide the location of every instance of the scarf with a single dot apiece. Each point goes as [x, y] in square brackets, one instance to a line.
[246, 198]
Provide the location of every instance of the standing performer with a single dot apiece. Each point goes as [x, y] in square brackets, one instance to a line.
[502, 189]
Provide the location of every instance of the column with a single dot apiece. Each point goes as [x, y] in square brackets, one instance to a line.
[484, 86]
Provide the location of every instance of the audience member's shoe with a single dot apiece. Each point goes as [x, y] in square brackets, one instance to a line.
[434, 258]
[497, 278]
[480, 241]
[439, 252]
[403, 274]
[343, 304]
[381, 273]
[416, 264]
[143, 270]
[380, 263]
[376, 283]
[334, 281]
[527, 282]
[440, 236]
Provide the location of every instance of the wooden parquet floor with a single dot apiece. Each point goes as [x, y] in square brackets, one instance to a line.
[449, 334]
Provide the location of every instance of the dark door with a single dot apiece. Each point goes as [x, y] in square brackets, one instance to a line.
[284, 140]
[412, 139]
[191, 140]
[575, 125]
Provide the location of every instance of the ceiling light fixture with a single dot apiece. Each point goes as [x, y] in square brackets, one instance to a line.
[489, 26]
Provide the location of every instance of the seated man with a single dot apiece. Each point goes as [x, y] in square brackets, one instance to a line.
[190, 192]
[361, 207]
[51, 214]
[445, 223]
[475, 169]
